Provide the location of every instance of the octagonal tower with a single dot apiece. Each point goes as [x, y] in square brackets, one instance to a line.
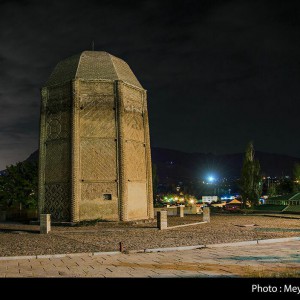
[95, 160]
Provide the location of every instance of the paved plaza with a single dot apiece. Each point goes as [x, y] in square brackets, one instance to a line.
[265, 260]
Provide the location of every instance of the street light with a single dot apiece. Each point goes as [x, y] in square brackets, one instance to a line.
[211, 179]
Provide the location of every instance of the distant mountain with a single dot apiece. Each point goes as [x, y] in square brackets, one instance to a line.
[33, 157]
[174, 166]
[180, 166]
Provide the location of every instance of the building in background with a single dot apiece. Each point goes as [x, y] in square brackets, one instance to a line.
[209, 199]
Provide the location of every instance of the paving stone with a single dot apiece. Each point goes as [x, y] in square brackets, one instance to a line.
[191, 263]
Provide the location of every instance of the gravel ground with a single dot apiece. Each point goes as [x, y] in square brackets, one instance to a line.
[105, 236]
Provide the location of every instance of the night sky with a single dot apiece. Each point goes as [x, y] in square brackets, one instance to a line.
[218, 73]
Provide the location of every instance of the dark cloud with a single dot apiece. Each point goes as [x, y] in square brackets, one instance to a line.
[218, 73]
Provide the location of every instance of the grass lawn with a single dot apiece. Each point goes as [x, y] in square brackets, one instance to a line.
[270, 207]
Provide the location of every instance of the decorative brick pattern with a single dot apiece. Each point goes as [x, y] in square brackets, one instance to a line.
[98, 159]
[54, 163]
[136, 157]
[94, 140]
[58, 125]
[134, 124]
[95, 190]
[92, 65]
[97, 116]
[98, 150]
[57, 162]
[95, 88]
[58, 93]
[57, 201]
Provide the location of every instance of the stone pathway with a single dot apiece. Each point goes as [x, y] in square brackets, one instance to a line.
[266, 260]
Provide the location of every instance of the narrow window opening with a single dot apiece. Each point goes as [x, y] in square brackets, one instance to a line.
[107, 197]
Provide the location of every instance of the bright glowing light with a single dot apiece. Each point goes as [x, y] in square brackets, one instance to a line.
[176, 198]
[192, 201]
[211, 179]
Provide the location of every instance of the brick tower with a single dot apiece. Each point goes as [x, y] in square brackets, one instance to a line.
[95, 160]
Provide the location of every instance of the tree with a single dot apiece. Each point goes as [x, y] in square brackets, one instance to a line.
[272, 190]
[250, 182]
[286, 186]
[296, 177]
[19, 184]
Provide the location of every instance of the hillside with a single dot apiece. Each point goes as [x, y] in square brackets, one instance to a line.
[175, 165]
[180, 165]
